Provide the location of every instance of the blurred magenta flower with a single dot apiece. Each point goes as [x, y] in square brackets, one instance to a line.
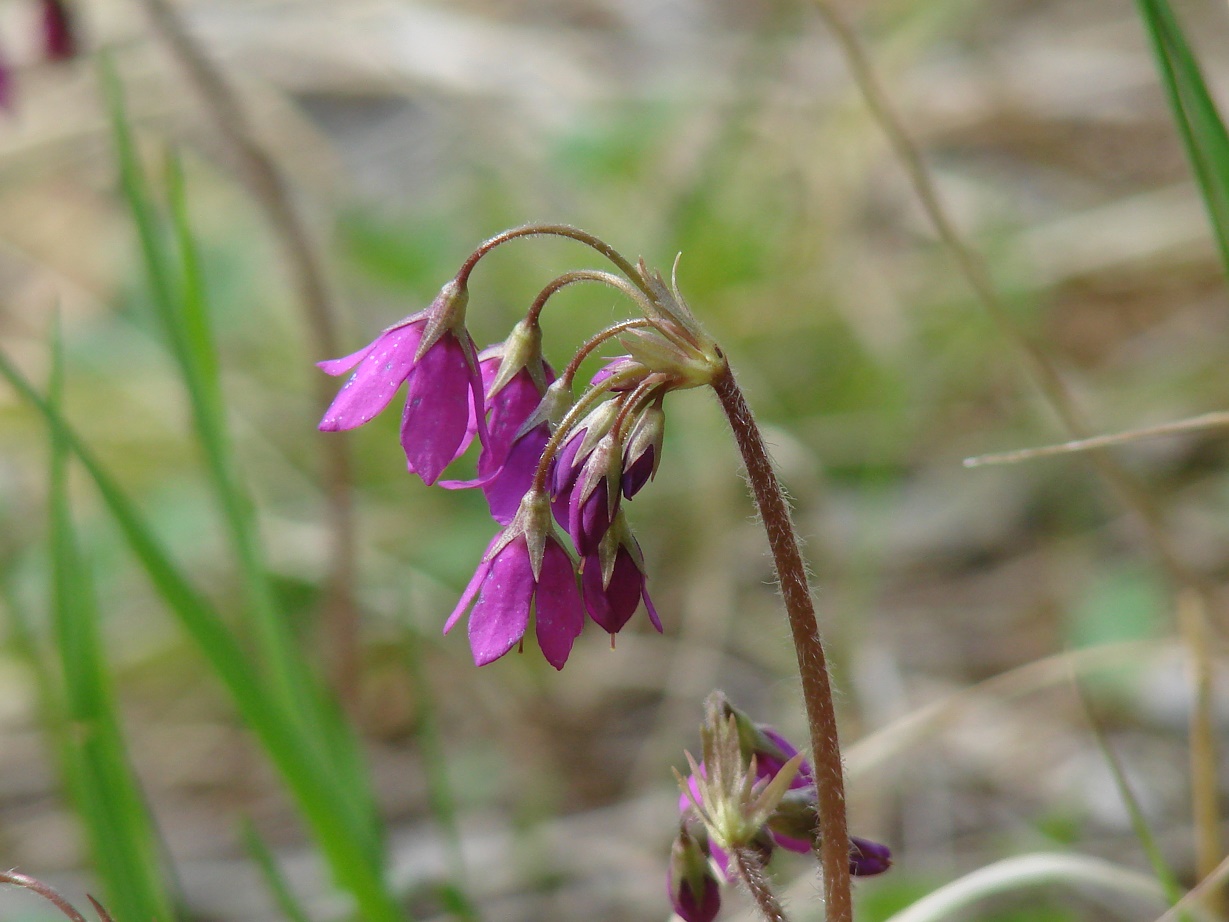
[59, 31]
[526, 567]
[432, 353]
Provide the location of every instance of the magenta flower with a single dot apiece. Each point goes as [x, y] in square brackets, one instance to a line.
[59, 32]
[431, 352]
[515, 379]
[612, 581]
[526, 568]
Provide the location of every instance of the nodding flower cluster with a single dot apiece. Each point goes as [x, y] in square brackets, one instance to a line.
[752, 791]
[549, 460]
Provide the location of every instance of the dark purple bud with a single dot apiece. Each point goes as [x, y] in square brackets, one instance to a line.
[643, 449]
[867, 858]
[612, 581]
[589, 519]
[694, 891]
[59, 31]
[572, 458]
[6, 85]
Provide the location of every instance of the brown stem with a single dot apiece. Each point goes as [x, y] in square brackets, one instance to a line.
[269, 190]
[554, 230]
[46, 891]
[751, 870]
[812, 663]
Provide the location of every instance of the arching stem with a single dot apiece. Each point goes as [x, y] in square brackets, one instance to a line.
[555, 230]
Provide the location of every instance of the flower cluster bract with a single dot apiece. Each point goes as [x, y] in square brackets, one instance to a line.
[549, 463]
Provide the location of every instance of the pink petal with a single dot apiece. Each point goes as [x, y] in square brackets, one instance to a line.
[382, 367]
[612, 606]
[558, 608]
[501, 614]
[508, 411]
[436, 409]
[472, 589]
[505, 490]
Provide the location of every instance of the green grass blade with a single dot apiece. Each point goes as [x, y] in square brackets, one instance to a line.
[339, 835]
[1199, 123]
[440, 796]
[120, 831]
[177, 286]
[1139, 823]
[286, 901]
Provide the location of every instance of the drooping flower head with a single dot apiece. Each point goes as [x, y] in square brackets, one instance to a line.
[541, 446]
[525, 570]
[433, 354]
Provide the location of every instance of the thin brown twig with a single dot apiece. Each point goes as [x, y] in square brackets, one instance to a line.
[1204, 757]
[1213, 420]
[1043, 372]
[264, 180]
[1041, 369]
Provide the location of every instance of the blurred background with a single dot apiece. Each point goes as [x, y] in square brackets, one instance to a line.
[729, 131]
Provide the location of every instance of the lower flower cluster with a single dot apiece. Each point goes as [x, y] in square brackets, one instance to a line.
[549, 466]
[752, 791]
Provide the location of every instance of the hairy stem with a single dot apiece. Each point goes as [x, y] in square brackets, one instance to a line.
[751, 871]
[812, 663]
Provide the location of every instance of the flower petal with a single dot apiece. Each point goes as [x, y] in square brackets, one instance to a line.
[613, 605]
[558, 609]
[472, 589]
[501, 614]
[382, 367]
[505, 490]
[436, 409]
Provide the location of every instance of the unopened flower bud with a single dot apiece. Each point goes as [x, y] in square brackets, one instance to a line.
[642, 452]
[694, 890]
[867, 858]
[613, 580]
